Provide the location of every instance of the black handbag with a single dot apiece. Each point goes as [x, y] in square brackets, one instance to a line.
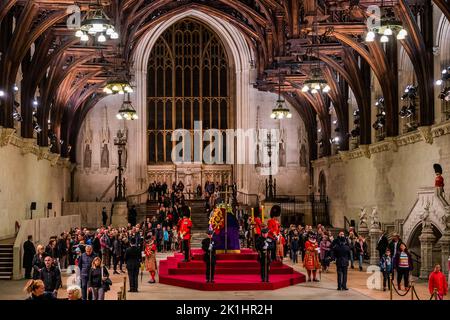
[106, 284]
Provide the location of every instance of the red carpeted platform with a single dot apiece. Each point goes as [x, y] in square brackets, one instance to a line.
[234, 271]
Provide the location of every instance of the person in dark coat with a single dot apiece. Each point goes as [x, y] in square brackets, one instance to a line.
[38, 262]
[382, 244]
[104, 216]
[209, 248]
[28, 253]
[263, 245]
[85, 263]
[133, 261]
[132, 216]
[51, 276]
[341, 252]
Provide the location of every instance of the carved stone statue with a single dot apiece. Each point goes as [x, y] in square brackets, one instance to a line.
[425, 217]
[87, 161]
[104, 157]
[446, 218]
[374, 218]
[363, 218]
[303, 156]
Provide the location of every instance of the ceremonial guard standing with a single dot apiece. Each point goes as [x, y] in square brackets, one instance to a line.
[208, 246]
[274, 229]
[150, 259]
[185, 232]
[257, 225]
[263, 248]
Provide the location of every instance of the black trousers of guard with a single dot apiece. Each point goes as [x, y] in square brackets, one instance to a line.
[186, 250]
[210, 270]
[265, 269]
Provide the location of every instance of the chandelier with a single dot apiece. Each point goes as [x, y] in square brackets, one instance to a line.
[444, 95]
[316, 82]
[118, 86]
[389, 26]
[98, 25]
[280, 111]
[126, 111]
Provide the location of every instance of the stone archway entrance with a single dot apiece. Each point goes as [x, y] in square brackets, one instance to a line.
[414, 248]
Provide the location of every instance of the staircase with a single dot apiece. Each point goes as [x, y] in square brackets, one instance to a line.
[6, 261]
[200, 219]
[145, 210]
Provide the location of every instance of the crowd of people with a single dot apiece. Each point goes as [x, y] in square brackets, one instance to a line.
[93, 254]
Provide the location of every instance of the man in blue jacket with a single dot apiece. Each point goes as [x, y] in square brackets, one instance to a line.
[84, 263]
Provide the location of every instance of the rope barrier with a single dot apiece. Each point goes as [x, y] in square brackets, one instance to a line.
[413, 291]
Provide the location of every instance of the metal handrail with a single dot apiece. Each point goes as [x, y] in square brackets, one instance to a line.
[107, 190]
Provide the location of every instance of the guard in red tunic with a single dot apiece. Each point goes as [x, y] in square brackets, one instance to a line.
[273, 224]
[185, 232]
[439, 180]
[257, 225]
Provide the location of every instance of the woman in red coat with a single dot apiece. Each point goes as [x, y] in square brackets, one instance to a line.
[437, 281]
[311, 261]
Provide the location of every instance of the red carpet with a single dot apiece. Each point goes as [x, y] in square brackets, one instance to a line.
[234, 271]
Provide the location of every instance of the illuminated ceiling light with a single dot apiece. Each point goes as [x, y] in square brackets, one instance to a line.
[84, 37]
[444, 71]
[118, 86]
[101, 38]
[280, 111]
[439, 82]
[96, 22]
[15, 88]
[316, 82]
[35, 102]
[2, 93]
[370, 36]
[127, 112]
[389, 25]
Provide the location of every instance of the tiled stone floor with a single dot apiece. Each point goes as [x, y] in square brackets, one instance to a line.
[324, 290]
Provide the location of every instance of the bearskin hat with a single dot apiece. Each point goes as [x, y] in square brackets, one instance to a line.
[256, 212]
[185, 211]
[275, 211]
[437, 168]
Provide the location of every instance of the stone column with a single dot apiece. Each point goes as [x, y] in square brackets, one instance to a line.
[120, 215]
[374, 234]
[445, 253]
[363, 230]
[427, 239]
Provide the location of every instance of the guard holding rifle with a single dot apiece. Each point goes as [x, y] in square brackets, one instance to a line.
[264, 245]
[209, 247]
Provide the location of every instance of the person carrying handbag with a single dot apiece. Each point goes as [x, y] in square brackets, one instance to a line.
[99, 281]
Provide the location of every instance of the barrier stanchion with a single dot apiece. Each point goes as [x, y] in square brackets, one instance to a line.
[391, 287]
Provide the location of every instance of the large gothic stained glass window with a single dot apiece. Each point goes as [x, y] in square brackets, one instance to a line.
[188, 81]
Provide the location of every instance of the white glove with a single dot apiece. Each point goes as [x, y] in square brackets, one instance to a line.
[210, 247]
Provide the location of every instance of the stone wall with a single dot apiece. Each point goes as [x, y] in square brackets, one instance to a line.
[100, 128]
[41, 230]
[90, 213]
[28, 174]
[387, 174]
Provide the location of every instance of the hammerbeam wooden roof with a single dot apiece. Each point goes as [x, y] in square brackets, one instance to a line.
[70, 75]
